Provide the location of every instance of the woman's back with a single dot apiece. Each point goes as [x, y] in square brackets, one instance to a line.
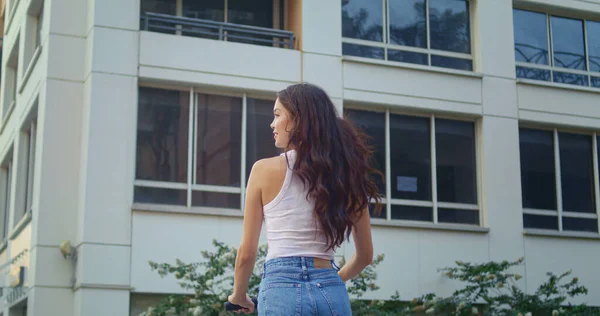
[289, 215]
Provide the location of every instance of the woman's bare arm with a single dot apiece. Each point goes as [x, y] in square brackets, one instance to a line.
[363, 244]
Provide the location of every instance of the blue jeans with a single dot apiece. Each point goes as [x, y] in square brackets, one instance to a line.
[293, 286]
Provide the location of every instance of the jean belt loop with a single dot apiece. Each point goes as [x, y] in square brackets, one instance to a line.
[303, 261]
[335, 265]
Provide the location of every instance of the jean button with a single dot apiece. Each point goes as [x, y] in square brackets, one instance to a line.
[318, 284]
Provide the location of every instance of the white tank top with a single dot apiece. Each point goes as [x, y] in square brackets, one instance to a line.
[290, 221]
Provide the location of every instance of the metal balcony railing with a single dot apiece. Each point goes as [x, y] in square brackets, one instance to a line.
[164, 23]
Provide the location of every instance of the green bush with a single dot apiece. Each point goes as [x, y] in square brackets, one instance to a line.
[489, 290]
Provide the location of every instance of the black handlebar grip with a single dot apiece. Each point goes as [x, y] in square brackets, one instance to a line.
[232, 307]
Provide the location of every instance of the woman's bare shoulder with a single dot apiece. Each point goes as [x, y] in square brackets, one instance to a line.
[269, 166]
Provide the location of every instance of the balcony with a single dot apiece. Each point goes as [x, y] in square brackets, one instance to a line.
[222, 31]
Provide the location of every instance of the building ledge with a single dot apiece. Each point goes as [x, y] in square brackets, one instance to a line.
[555, 85]
[434, 69]
[563, 234]
[187, 210]
[430, 226]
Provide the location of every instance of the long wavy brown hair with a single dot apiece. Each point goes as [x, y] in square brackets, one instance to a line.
[334, 161]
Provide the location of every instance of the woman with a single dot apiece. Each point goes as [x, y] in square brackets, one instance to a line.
[311, 198]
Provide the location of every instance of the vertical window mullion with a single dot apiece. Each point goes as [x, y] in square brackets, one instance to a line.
[478, 169]
[226, 11]
[243, 151]
[433, 170]
[30, 167]
[596, 180]
[427, 31]
[587, 57]
[191, 146]
[388, 167]
[179, 7]
[559, 206]
[386, 21]
[550, 47]
[8, 198]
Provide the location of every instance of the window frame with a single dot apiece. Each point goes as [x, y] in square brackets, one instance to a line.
[548, 14]
[559, 213]
[189, 186]
[11, 81]
[385, 43]
[278, 24]
[7, 170]
[434, 203]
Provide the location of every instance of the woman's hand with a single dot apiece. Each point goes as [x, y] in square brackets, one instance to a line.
[243, 301]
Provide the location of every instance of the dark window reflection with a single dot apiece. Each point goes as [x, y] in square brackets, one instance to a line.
[458, 216]
[568, 78]
[219, 140]
[533, 73]
[159, 6]
[407, 57]
[567, 42]
[412, 213]
[212, 10]
[407, 24]
[259, 135]
[216, 199]
[540, 221]
[455, 158]
[577, 173]
[580, 224]
[362, 19]
[410, 157]
[362, 51]
[596, 82]
[593, 38]
[206, 9]
[449, 25]
[538, 176]
[254, 13]
[531, 37]
[160, 196]
[162, 7]
[162, 135]
[449, 62]
[373, 124]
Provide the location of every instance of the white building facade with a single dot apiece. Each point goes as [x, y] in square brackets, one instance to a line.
[129, 127]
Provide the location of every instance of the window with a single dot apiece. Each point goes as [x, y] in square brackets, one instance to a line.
[557, 49]
[559, 180]
[201, 15]
[198, 151]
[11, 83]
[430, 164]
[425, 32]
[33, 38]
[5, 194]
[25, 169]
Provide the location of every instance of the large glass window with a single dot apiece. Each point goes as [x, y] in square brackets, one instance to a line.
[431, 173]
[201, 15]
[425, 32]
[558, 180]
[190, 152]
[557, 49]
[373, 124]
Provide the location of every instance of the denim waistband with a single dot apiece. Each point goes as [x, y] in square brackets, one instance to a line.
[300, 262]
